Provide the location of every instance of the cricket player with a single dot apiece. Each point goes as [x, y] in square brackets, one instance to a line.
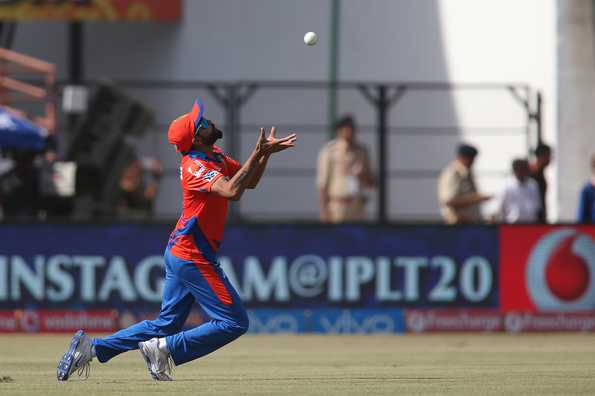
[209, 180]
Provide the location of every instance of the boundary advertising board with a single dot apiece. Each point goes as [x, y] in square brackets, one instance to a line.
[547, 283]
[310, 278]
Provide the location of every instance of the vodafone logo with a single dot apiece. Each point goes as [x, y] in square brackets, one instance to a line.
[561, 271]
[29, 320]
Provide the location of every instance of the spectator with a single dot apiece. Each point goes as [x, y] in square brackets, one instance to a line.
[342, 175]
[542, 158]
[19, 187]
[457, 191]
[520, 201]
[137, 195]
[586, 205]
[6, 166]
[56, 182]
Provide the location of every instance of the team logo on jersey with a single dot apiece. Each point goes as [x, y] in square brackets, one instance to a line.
[196, 173]
[210, 175]
[560, 271]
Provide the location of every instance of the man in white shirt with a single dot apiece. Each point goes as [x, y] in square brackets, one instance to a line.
[520, 202]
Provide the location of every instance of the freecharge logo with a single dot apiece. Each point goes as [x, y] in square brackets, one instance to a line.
[547, 269]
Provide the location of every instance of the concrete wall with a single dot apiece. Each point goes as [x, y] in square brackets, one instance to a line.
[576, 81]
[381, 40]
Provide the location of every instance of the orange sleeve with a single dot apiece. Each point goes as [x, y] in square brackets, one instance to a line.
[196, 176]
[232, 166]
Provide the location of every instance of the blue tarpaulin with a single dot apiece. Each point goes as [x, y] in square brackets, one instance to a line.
[19, 133]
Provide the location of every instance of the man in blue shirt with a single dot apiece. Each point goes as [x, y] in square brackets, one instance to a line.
[586, 204]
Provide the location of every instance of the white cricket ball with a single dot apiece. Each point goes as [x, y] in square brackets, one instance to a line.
[310, 38]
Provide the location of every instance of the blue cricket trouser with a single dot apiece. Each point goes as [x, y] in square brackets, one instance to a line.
[184, 284]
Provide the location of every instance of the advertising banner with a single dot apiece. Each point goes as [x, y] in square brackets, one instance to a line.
[326, 320]
[57, 321]
[309, 278]
[363, 267]
[91, 10]
[487, 320]
[547, 268]
[440, 320]
[517, 322]
[78, 267]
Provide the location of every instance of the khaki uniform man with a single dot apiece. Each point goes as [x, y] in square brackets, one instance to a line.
[457, 191]
[343, 174]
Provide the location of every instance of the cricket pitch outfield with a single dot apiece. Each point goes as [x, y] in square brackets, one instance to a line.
[440, 364]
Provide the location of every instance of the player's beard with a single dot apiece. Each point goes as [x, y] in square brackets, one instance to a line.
[210, 136]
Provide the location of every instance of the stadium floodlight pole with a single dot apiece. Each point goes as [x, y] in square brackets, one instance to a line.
[333, 65]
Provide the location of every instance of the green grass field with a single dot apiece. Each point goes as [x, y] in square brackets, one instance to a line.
[441, 364]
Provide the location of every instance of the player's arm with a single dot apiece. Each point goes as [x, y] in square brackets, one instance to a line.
[465, 200]
[262, 162]
[448, 195]
[233, 188]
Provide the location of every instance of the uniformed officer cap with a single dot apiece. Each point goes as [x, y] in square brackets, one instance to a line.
[467, 151]
[345, 121]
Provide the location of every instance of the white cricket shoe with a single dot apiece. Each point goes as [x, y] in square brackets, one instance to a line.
[158, 362]
[77, 358]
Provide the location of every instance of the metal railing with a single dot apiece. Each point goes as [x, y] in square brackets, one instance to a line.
[382, 97]
[16, 91]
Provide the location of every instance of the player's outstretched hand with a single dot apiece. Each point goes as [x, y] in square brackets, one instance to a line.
[272, 144]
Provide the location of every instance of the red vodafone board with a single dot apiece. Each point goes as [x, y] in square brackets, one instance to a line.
[547, 268]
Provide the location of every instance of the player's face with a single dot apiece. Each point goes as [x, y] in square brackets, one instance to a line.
[208, 134]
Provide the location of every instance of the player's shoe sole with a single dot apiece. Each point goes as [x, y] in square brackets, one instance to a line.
[67, 364]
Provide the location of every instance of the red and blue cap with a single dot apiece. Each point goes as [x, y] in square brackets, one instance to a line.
[182, 129]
